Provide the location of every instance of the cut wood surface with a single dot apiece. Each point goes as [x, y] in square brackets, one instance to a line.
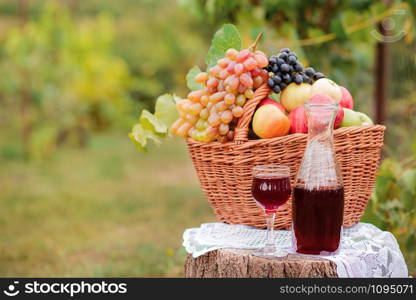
[233, 263]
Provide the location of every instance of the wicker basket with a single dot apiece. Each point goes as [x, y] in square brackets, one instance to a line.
[225, 170]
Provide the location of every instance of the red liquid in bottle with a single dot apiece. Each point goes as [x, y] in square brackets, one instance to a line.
[271, 192]
[317, 219]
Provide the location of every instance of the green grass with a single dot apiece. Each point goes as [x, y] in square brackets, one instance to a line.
[107, 210]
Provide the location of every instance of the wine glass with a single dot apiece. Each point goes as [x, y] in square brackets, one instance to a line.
[270, 189]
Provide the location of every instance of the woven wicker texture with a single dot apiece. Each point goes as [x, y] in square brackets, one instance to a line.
[225, 170]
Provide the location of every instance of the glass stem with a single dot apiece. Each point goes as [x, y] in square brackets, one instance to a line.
[270, 228]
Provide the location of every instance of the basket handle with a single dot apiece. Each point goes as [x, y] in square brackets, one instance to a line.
[241, 130]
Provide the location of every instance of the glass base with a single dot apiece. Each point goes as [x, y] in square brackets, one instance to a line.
[318, 252]
[270, 252]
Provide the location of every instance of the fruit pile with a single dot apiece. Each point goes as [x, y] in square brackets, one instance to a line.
[211, 113]
[284, 69]
[273, 119]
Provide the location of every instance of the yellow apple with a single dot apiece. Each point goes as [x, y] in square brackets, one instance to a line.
[325, 86]
[295, 94]
[269, 122]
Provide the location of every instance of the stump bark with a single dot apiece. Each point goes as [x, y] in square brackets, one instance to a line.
[233, 263]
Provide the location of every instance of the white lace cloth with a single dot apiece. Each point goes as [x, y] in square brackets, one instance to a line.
[366, 251]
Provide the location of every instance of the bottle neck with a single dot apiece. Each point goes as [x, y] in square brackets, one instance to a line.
[319, 167]
[320, 124]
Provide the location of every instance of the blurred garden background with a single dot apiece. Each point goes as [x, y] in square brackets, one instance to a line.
[78, 199]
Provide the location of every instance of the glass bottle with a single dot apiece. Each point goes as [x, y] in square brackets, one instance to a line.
[318, 195]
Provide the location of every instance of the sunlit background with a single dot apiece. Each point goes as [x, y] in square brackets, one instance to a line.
[78, 199]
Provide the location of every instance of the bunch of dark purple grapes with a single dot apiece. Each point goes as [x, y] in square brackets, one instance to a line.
[285, 68]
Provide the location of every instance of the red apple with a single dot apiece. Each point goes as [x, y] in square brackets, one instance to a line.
[298, 122]
[275, 103]
[339, 117]
[346, 99]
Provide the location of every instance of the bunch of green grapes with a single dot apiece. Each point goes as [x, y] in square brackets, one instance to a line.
[211, 114]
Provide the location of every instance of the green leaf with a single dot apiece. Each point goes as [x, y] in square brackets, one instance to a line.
[225, 38]
[139, 135]
[155, 138]
[154, 126]
[190, 79]
[275, 97]
[165, 109]
[151, 123]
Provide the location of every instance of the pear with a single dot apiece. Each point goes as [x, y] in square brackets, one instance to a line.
[351, 118]
[365, 120]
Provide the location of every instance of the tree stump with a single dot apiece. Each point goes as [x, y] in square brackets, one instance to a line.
[233, 263]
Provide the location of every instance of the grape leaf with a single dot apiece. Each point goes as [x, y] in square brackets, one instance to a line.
[190, 79]
[155, 138]
[140, 135]
[165, 109]
[225, 38]
[154, 126]
[151, 123]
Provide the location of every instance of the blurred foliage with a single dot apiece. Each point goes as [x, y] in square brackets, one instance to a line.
[64, 78]
[77, 67]
[393, 203]
[401, 107]
[159, 41]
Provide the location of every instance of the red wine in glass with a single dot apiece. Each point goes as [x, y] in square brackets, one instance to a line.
[270, 189]
[271, 192]
[317, 217]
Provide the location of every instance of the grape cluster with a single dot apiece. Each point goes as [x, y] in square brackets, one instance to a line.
[285, 68]
[212, 112]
